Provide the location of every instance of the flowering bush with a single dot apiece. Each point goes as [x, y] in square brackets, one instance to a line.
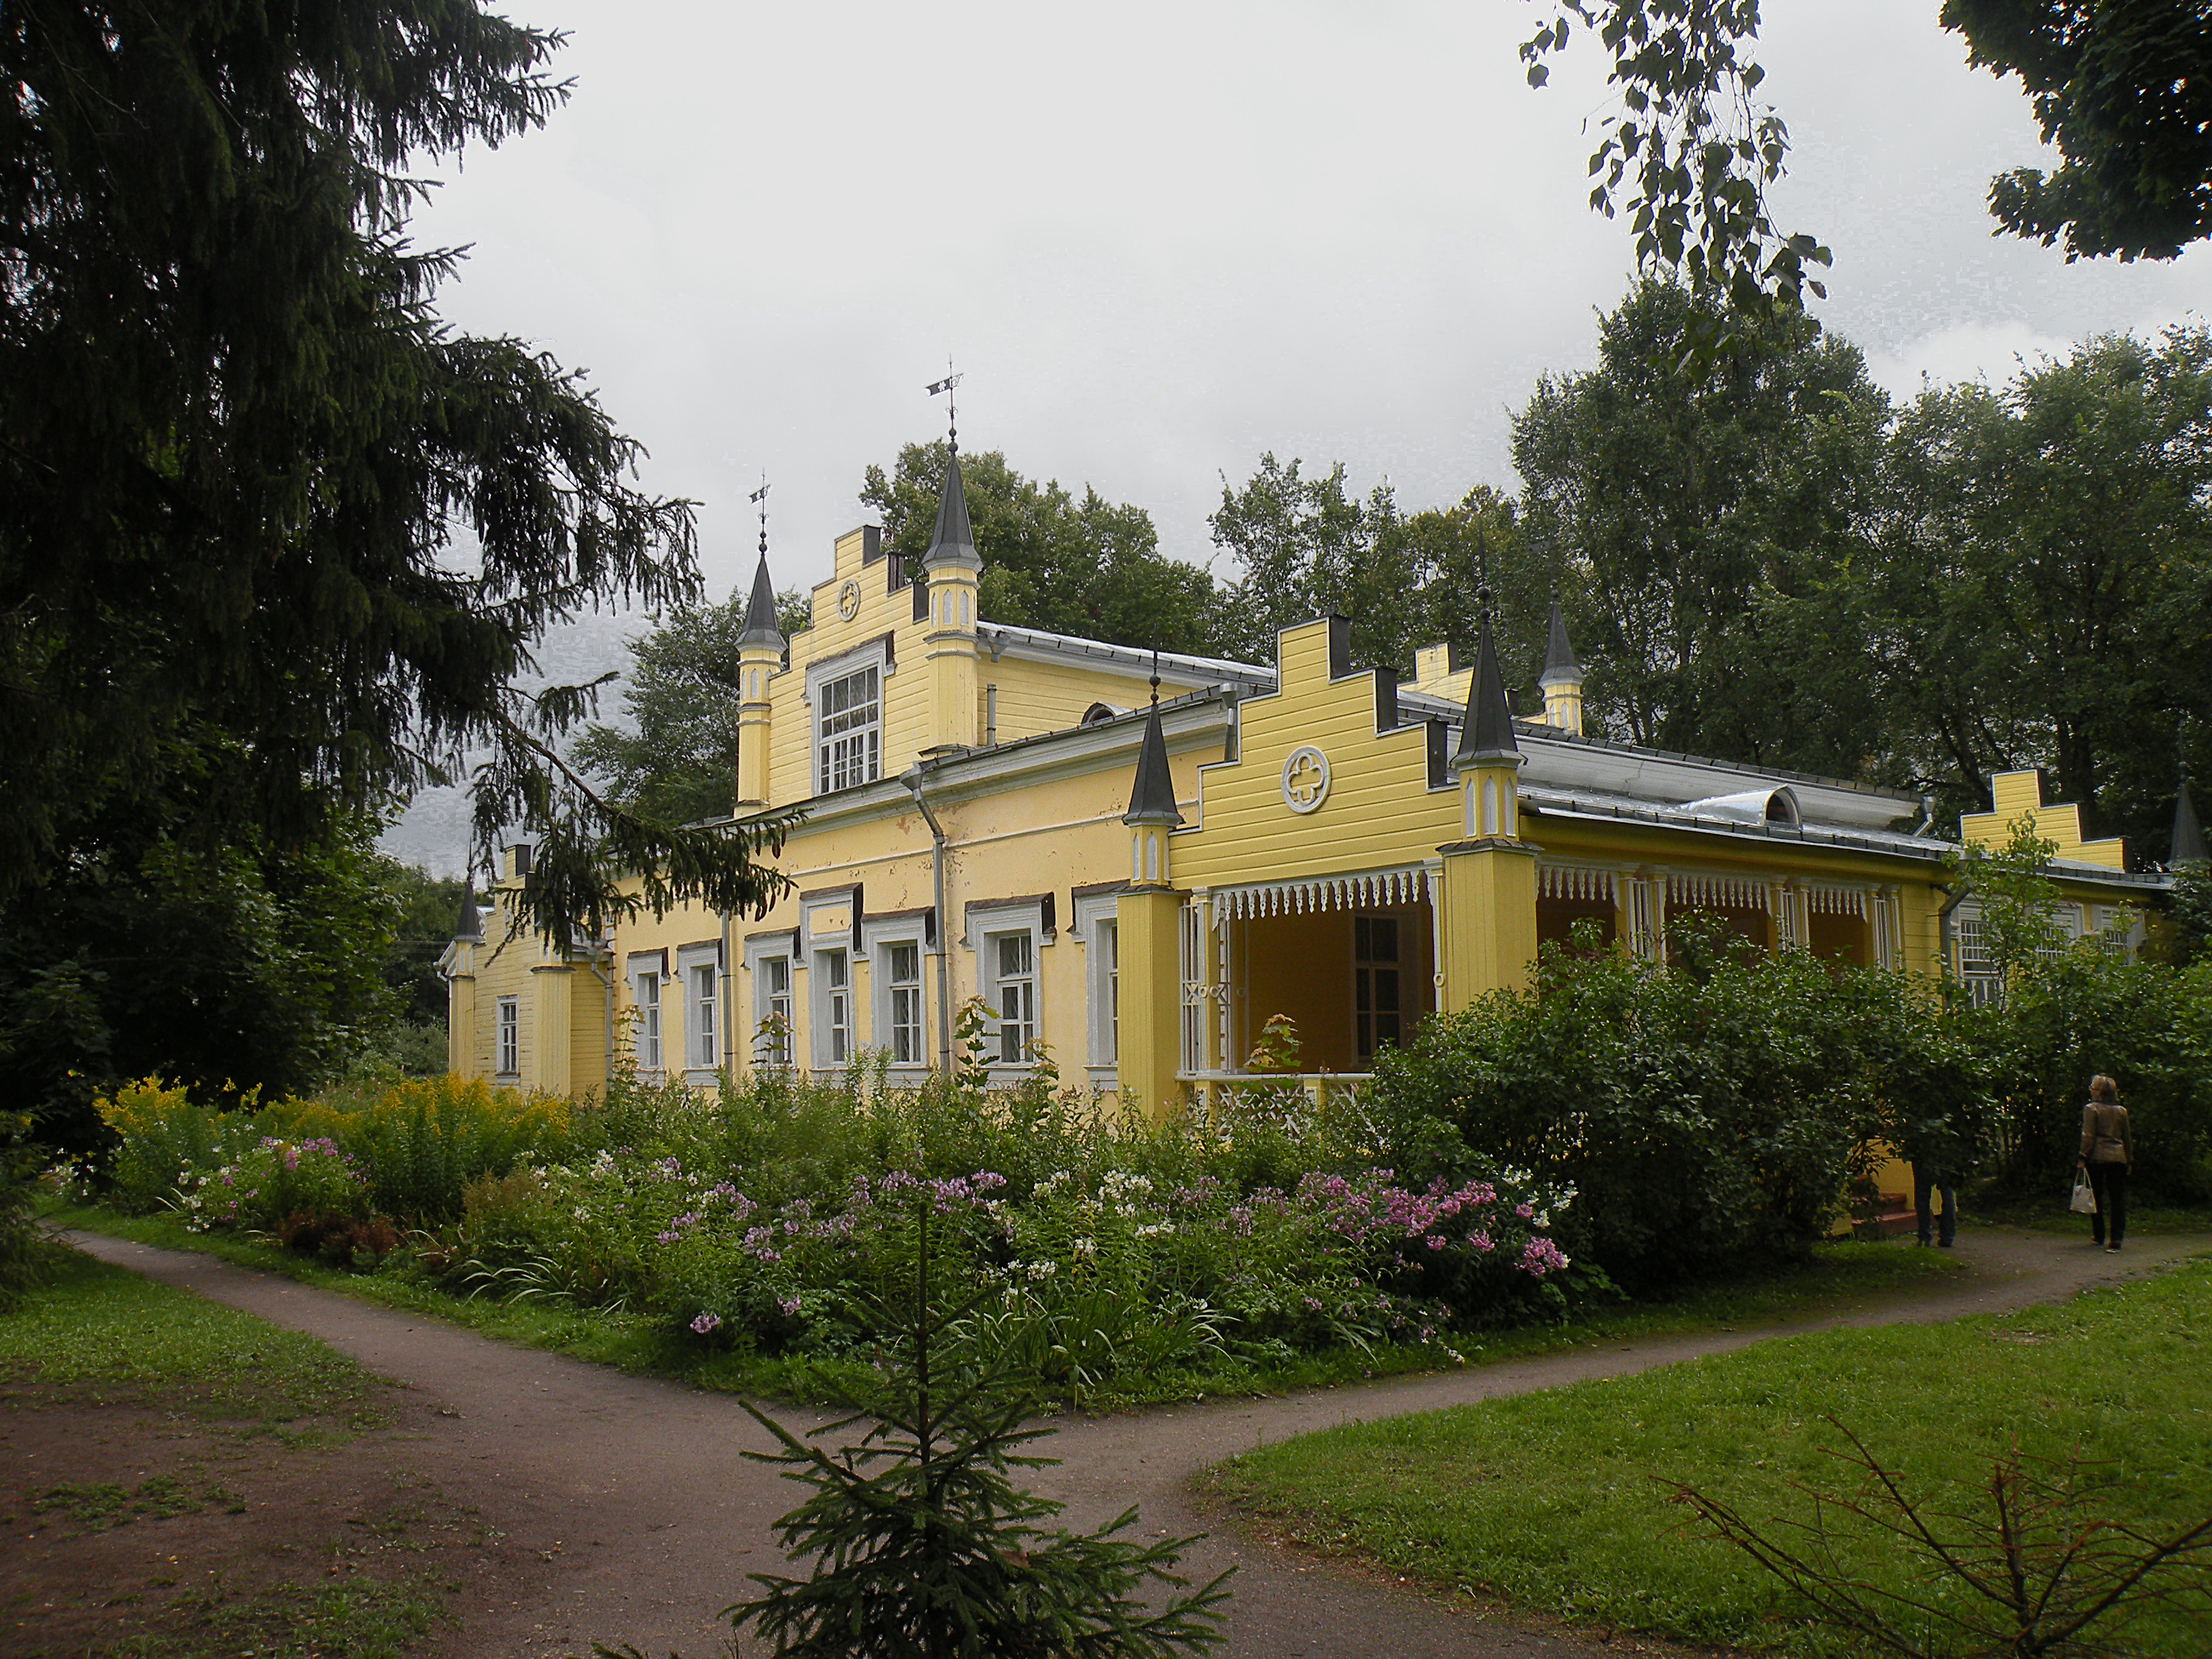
[783, 1216]
[272, 1181]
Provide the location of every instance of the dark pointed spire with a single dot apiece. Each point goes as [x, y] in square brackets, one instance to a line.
[1152, 798]
[1486, 732]
[2188, 834]
[469, 925]
[952, 542]
[1559, 662]
[762, 627]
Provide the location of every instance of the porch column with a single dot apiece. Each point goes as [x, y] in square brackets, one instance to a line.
[461, 1024]
[553, 1038]
[1148, 920]
[1489, 918]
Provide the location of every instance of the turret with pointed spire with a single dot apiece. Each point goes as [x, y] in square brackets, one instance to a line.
[1148, 934]
[1561, 681]
[1489, 931]
[2188, 834]
[1152, 811]
[951, 568]
[760, 659]
[1488, 756]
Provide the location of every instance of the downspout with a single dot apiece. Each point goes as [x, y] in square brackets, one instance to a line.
[912, 779]
[729, 1014]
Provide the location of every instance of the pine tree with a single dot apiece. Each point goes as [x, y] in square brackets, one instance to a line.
[925, 1548]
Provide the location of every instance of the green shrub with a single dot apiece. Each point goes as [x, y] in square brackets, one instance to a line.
[1711, 1114]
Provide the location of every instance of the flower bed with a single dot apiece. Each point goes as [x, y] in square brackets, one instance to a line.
[779, 1218]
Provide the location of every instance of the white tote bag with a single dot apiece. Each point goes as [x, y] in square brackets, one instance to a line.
[2085, 1196]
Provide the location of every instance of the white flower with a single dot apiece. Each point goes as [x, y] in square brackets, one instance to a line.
[1087, 1247]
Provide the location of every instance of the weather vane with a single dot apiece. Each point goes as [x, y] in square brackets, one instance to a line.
[951, 415]
[759, 498]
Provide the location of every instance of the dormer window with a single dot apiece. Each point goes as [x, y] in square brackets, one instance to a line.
[850, 751]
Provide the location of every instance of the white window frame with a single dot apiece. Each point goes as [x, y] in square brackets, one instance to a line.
[828, 672]
[1011, 958]
[701, 1025]
[507, 1037]
[878, 938]
[769, 1000]
[1097, 926]
[647, 974]
[832, 993]
[987, 923]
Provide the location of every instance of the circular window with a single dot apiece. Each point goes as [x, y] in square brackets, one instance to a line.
[848, 600]
[1305, 779]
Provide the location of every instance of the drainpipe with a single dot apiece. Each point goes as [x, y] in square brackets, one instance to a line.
[912, 779]
[727, 1054]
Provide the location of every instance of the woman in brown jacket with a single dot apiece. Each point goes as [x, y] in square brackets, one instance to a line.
[2108, 1153]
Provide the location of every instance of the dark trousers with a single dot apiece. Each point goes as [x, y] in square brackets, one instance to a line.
[1925, 1183]
[2110, 1182]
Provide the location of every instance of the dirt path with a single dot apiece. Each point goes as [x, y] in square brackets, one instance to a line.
[639, 1489]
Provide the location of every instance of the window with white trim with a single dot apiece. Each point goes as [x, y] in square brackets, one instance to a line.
[509, 1030]
[645, 996]
[1095, 917]
[900, 963]
[849, 714]
[833, 1041]
[1012, 961]
[772, 1011]
[704, 1013]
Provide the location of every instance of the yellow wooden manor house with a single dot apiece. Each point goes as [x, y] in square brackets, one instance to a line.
[1133, 863]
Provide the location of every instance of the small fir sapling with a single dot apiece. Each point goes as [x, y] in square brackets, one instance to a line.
[922, 1544]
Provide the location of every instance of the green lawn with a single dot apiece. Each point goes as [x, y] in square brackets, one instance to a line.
[104, 1335]
[93, 1337]
[1836, 1273]
[1557, 1502]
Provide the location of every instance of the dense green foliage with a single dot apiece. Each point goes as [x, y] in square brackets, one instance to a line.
[2120, 88]
[2036, 583]
[156, 953]
[1558, 1501]
[1707, 1117]
[1697, 519]
[236, 444]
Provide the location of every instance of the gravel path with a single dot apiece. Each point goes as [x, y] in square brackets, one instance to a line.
[639, 1487]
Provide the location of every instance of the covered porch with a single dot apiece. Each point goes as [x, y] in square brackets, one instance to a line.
[1352, 961]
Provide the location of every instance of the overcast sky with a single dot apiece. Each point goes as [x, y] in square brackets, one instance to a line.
[1159, 239]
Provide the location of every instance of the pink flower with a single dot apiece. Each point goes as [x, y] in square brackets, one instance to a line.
[1540, 1257]
[788, 1305]
[707, 1323]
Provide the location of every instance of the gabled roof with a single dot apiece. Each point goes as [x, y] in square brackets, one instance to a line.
[1152, 797]
[1486, 732]
[761, 621]
[952, 542]
[2188, 835]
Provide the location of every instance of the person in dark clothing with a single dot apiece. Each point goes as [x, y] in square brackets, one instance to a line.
[1929, 1179]
[2108, 1153]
